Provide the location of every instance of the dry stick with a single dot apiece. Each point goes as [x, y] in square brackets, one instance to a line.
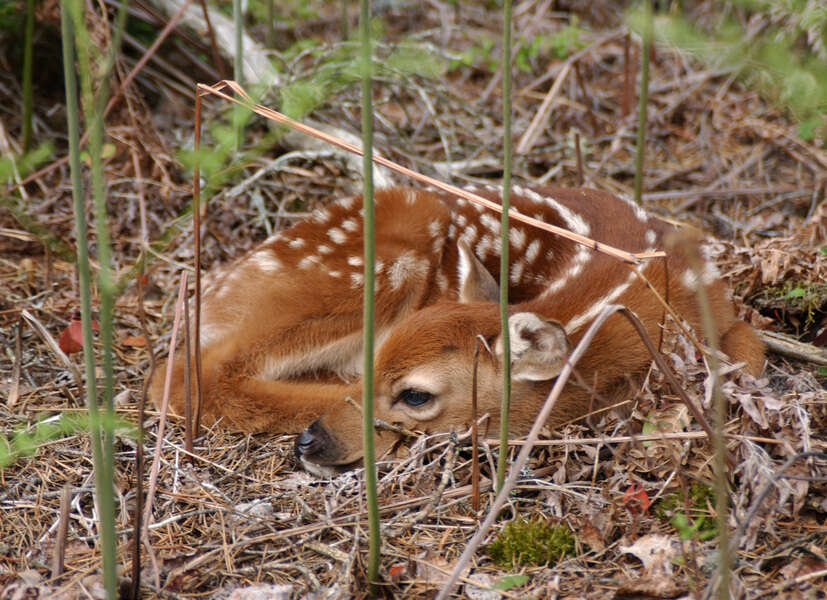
[187, 379]
[586, 99]
[579, 156]
[542, 417]
[62, 530]
[541, 116]
[115, 96]
[268, 113]
[196, 231]
[14, 388]
[156, 462]
[720, 406]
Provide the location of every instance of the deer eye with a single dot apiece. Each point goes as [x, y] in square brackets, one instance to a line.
[414, 397]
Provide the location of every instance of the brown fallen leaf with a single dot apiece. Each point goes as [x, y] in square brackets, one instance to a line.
[134, 341]
[71, 338]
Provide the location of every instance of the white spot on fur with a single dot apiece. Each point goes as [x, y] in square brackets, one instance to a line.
[491, 223]
[410, 197]
[573, 221]
[378, 266]
[461, 220]
[469, 235]
[346, 203]
[356, 280]
[321, 216]
[517, 271]
[640, 213]
[322, 249]
[517, 238]
[309, 261]
[582, 256]
[266, 261]
[590, 313]
[452, 231]
[405, 267]
[351, 225]
[336, 274]
[651, 237]
[355, 261]
[484, 247]
[296, 243]
[533, 251]
[434, 228]
[337, 235]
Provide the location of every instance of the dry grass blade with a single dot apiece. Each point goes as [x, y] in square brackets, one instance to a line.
[273, 115]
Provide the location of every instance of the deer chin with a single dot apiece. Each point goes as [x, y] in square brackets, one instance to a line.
[328, 471]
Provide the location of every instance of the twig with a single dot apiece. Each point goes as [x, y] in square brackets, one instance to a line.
[541, 116]
[153, 475]
[62, 530]
[792, 348]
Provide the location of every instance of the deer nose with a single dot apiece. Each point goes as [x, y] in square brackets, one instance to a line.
[311, 441]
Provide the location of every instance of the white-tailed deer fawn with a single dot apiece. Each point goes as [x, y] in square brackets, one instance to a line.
[281, 327]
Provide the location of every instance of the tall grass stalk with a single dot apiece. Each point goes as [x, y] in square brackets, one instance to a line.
[238, 65]
[374, 537]
[76, 41]
[645, 46]
[506, 358]
[100, 456]
[28, 50]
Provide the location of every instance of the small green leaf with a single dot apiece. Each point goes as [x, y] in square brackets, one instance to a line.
[796, 292]
[510, 581]
[807, 129]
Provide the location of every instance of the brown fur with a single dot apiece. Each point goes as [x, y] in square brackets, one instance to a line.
[282, 326]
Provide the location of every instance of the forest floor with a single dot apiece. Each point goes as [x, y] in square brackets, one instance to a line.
[239, 511]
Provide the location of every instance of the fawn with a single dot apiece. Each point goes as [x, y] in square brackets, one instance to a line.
[281, 326]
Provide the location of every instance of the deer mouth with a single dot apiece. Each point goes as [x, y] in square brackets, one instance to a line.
[321, 454]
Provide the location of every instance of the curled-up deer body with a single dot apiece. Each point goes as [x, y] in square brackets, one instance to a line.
[281, 328]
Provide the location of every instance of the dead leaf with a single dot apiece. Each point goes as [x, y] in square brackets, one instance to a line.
[134, 341]
[655, 551]
[71, 338]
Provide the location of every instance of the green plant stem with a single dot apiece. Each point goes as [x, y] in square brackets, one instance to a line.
[238, 65]
[506, 202]
[367, 321]
[71, 15]
[27, 76]
[646, 44]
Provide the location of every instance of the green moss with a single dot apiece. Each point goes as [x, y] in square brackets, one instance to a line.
[531, 542]
[691, 517]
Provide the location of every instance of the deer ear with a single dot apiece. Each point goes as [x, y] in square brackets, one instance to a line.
[475, 282]
[538, 347]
